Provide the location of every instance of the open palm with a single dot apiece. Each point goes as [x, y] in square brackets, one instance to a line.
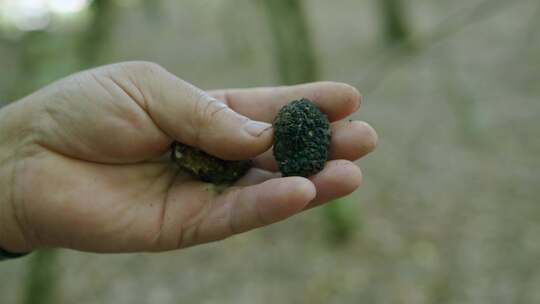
[91, 172]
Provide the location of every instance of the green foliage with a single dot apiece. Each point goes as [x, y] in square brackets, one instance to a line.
[301, 139]
[340, 221]
[206, 167]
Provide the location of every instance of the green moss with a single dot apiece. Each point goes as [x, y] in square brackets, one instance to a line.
[301, 139]
[206, 167]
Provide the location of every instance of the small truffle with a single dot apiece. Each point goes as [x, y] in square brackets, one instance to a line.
[206, 167]
[301, 139]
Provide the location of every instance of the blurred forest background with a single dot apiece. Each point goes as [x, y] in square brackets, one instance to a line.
[449, 211]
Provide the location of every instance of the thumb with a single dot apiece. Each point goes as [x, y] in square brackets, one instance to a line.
[191, 116]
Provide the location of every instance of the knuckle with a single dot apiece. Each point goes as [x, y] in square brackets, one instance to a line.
[206, 111]
[148, 66]
[232, 222]
[142, 70]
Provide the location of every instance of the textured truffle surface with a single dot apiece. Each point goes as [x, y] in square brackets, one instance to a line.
[206, 167]
[301, 139]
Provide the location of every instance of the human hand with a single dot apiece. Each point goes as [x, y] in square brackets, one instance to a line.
[82, 166]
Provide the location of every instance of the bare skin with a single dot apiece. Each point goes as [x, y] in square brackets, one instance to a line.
[82, 166]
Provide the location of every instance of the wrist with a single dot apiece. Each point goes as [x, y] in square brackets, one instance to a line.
[12, 239]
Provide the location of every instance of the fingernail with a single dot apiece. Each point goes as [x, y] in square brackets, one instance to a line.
[256, 128]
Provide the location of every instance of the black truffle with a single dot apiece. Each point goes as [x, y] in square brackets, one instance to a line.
[301, 139]
[206, 167]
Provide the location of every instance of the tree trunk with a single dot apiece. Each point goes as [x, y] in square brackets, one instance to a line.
[292, 45]
[394, 21]
[97, 33]
[296, 61]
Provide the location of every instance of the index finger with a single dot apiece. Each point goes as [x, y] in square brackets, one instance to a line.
[336, 100]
